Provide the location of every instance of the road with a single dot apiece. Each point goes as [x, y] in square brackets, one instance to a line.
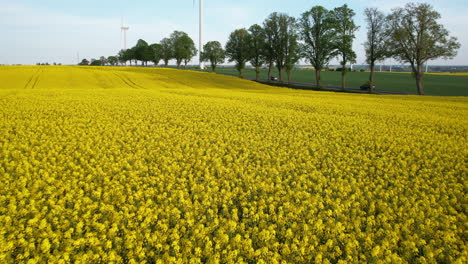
[311, 85]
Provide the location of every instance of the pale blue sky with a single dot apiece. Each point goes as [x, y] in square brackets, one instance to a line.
[56, 30]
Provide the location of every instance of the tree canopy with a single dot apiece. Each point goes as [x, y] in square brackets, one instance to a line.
[84, 62]
[280, 28]
[183, 47]
[344, 33]
[258, 46]
[376, 45]
[214, 53]
[316, 30]
[166, 50]
[238, 49]
[416, 38]
[156, 50]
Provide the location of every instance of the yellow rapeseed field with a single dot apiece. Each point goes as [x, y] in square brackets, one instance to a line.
[134, 165]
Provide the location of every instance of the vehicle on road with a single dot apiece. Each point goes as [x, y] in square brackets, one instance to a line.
[366, 86]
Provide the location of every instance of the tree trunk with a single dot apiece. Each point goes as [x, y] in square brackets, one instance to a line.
[371, 77]
[270, 69]
[257, 73]
[317, 78]
[166, 62]
[343, 78]
[241, 75]
[419, 79]
[280, 71]
[289, 76]
[213, 67]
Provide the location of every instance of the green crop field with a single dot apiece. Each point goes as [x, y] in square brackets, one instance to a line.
[447, 85]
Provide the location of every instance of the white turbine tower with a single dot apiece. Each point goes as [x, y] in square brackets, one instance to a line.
[124, 33]
[200, 36]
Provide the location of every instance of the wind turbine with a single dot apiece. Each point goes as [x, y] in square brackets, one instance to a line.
[200, 37]
[124, 32]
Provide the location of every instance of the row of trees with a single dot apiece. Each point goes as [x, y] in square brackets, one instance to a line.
[178, 46]
[317, 36]
[102, 61]
[410, 35]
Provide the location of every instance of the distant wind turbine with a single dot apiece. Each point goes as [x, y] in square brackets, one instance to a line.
[200, 37]
[124, 33]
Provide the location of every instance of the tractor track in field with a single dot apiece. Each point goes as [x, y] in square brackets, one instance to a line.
[129, 82]
[32, 82]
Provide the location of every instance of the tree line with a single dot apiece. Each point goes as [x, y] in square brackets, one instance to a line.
[409, 34]
[178, 46]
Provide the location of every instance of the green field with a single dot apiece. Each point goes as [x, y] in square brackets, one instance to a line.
[446, 85]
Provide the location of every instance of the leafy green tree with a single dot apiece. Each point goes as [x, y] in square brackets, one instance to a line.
[183, 47]
[95, 62]
[214, 53]
[126, 55]
[258, 46]
[316, 30]
[344, 31]
[292, 54]
[238, 49]
[376, 45]
[416, 37]
[142, 52]
[121, 57]
[280, 27]
[148, 55]
[133, 55]
[166, 51]
[103, 60]
[269, 51]
[112, 60]
[130, 53]
[84, 62]
[156, 50]
[189, 49]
